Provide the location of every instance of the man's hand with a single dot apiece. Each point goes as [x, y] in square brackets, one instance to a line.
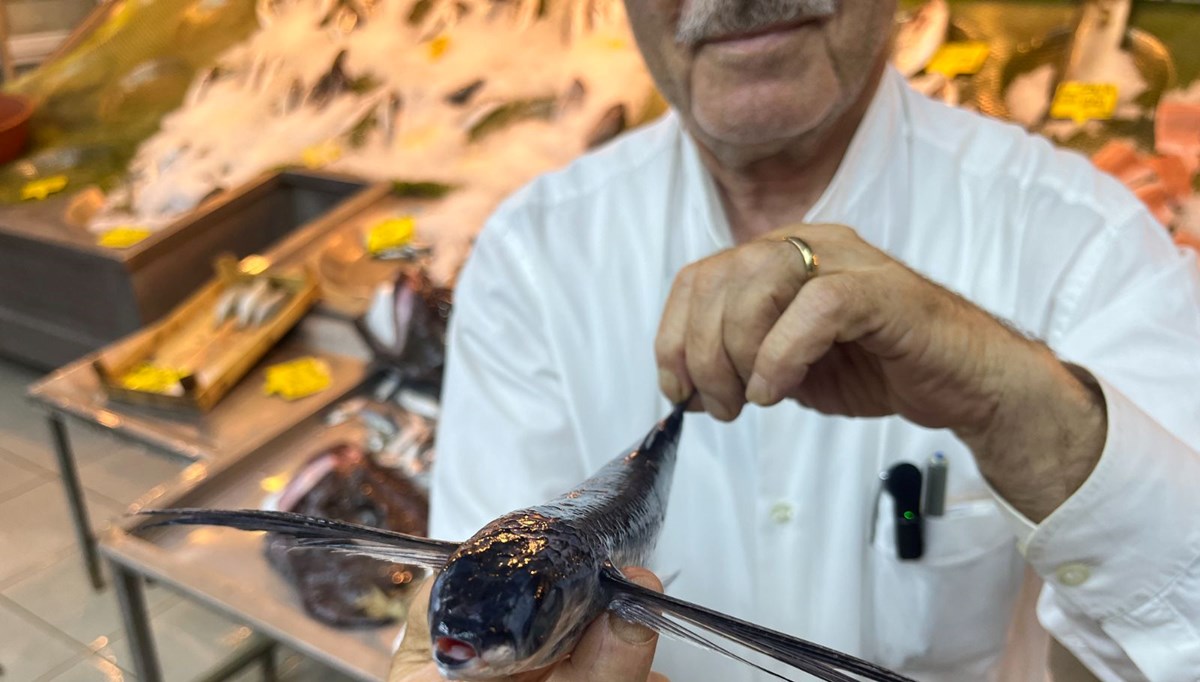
[611, 650]
[869, 337]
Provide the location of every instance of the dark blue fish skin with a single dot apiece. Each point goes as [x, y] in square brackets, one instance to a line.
[522, 590]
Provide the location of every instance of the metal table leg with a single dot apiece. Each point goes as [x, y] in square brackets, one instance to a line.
[132, 598]
[74, 492]
[269, 671]
[258, 649]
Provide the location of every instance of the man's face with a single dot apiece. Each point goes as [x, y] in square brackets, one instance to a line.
[760, 73]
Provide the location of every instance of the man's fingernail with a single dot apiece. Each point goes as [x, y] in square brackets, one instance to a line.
[630, 633]
[757, 391]
[669, 384]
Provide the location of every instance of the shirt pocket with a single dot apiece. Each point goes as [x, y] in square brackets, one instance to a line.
[949, 610]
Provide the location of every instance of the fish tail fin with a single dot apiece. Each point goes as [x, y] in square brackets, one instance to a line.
[315, 532]
[668, 616]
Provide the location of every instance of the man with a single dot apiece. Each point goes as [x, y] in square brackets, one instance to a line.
[925, 244]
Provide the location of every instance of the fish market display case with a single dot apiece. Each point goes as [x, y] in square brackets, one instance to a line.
[62, 295]
[229, 569]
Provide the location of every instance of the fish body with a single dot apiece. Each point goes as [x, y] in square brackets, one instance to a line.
[342, 590]
[520, 592]
[406, 327]
[518, 595]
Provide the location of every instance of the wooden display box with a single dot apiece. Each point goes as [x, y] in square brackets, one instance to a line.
[62, 296]
[227, 353]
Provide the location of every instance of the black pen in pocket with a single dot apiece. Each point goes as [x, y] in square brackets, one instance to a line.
[903, 483]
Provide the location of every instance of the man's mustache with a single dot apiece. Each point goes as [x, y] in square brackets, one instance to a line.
[706, 19]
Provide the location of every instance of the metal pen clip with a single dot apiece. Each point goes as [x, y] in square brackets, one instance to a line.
[875, 506]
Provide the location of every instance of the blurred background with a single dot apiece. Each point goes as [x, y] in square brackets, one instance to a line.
[229, 236]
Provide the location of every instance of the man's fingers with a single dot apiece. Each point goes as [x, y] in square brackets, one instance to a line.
[838, 248]
[766, 285]
[712, 372]
[413, 661]
[828, 309]
[613, 650]
[673, 378]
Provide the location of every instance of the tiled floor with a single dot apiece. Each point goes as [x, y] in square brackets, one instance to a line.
[53, 627]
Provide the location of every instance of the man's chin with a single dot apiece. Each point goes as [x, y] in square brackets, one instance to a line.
[747, 109]
[766, 127]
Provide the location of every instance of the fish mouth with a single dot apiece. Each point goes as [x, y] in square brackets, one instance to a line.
[454, 653]
[459, 659]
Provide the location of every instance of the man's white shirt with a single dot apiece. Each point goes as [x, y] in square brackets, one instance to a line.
[775, 517]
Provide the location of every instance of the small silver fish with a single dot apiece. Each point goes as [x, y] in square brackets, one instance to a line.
[518, 595]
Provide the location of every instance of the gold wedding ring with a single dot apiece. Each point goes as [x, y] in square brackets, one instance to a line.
[811, 264]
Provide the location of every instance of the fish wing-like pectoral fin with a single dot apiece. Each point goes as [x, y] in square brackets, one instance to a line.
[671, 616]
[638, 613]
[316, 532]
[434, 558]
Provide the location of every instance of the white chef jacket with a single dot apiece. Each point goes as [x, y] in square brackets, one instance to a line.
[551, 373]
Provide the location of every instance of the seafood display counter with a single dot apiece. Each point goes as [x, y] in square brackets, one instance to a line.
[229, 570]
[63, 295]
[246, 419]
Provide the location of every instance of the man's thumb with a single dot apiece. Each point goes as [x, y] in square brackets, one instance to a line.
[613, 649]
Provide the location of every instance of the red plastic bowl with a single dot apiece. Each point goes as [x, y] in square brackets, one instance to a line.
[15, 112]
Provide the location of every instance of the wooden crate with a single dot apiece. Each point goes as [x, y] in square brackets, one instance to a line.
[228, 352]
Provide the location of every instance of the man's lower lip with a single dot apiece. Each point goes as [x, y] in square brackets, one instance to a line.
[767, 33]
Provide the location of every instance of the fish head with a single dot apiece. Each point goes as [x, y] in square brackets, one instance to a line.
[510, 602]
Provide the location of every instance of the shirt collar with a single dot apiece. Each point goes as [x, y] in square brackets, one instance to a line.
[863, 172]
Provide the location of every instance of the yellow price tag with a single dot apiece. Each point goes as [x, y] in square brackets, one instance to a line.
[151, 378]
[321, 155]
[391, 234]
[254, 264]
[40, 189]
[298, 378]
[438, 47]
[958, 59]
[123, 237]
[1082, 102]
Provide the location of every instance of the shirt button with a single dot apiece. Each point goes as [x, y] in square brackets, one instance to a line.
[782, 512]
[1073, 575]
